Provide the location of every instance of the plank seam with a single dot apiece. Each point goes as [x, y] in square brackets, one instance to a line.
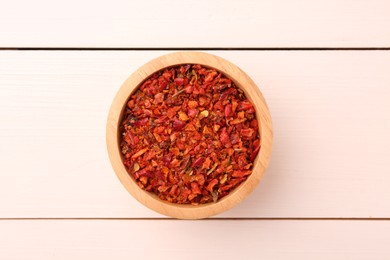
[209, 219]
[197, 49]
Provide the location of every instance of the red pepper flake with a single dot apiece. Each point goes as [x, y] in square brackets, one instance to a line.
[192, 112]
[139, 153]
[183, 116]
[192, 104]
[159, 97]
[198, 162]
[228, 110]
[224, 138]
[189, 135]
[179, 81]
[195, 188]
[211, 185]
[247, 132]
[239, 174]
[178, 124]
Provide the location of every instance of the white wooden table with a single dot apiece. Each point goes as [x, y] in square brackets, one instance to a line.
[323, 66]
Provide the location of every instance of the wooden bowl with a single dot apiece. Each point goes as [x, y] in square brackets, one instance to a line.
[242, 81]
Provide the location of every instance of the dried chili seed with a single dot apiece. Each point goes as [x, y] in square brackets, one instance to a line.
[189, 135]
[204, 114]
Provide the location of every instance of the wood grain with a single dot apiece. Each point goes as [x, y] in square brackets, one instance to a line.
[331, 116]
[174, 23]
[171, 239]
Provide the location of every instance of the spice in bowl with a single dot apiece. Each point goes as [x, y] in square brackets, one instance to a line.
[189, 135]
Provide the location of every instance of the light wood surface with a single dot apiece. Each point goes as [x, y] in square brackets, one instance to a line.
[205, 239]
[330, 111]
[242, 81]
[175, 23]
[331, 116]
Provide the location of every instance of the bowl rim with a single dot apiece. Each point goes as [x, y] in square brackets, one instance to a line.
[252, 92]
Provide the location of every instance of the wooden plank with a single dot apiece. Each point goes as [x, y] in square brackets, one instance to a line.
[72, 239]
[251, 23]
[331, 116]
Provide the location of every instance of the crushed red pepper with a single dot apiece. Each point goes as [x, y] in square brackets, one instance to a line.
[189, 135]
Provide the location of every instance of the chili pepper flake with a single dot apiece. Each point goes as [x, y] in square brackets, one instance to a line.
[189, 135]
